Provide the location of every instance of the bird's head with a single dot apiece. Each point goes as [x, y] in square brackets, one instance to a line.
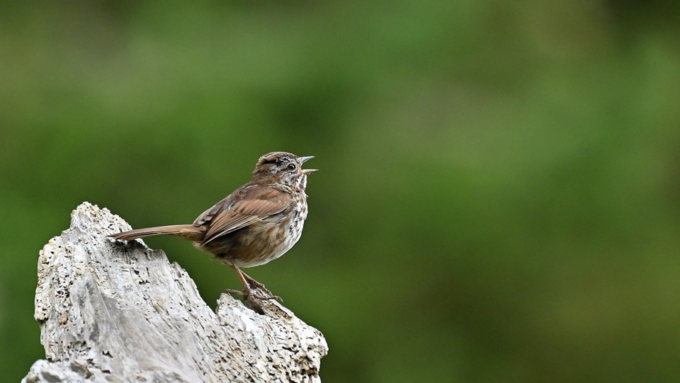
[283, 168]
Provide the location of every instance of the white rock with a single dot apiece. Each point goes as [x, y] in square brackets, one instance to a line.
[116, 312]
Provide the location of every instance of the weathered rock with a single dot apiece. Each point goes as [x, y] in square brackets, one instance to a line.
[117, 312]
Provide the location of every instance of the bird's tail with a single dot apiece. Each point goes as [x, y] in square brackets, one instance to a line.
[189, 232]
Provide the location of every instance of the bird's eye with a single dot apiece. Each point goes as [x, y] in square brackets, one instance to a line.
[292, 166]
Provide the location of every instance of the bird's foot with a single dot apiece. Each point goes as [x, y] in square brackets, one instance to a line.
[255, 294]
[257, 286]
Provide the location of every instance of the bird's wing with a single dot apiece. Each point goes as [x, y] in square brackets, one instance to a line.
[207, 216]
[253, 205]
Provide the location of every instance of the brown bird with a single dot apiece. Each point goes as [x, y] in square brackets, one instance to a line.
[255, 224]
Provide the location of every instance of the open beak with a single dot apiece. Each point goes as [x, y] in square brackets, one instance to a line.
[307, 171]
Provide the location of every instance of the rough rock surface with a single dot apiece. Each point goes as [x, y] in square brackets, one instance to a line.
[117, 312]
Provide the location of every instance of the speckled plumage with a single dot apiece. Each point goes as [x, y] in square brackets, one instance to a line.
[257, 223]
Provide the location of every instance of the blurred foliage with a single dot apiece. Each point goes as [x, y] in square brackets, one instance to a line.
[499, 190]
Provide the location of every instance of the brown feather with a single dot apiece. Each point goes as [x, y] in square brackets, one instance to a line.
[189, 232]
[257, 223]
[261, 203]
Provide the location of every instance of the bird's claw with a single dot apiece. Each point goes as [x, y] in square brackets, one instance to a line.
[253, 295]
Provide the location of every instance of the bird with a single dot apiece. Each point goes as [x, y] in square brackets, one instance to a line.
[257, 223]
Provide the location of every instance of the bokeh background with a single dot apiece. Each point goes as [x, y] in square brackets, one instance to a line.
[499, 194]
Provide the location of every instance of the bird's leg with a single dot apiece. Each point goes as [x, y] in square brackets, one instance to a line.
[248, 285]
[246, 288]
[257, 285]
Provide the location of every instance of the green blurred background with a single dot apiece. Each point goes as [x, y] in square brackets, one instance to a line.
[499, 194]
